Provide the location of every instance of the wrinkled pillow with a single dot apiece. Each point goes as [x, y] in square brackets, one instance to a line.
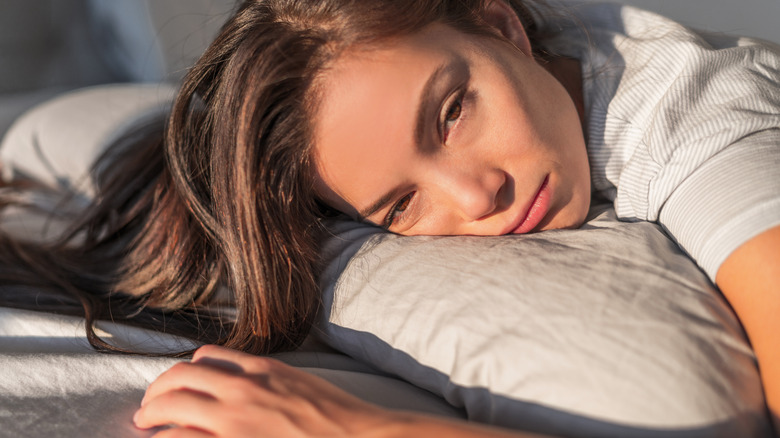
[57, 142]
[609, 330]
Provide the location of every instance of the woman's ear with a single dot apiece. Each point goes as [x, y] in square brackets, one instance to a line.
[501, 16]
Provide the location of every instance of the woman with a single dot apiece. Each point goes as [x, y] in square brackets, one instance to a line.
[423, 117]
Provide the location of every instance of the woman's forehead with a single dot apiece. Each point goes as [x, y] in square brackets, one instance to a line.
[367, 114]
[368, 108]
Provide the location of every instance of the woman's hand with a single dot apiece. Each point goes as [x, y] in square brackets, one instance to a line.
[226, 393]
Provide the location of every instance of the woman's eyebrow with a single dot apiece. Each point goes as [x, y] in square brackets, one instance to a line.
[452, 68]
[379, 204]
[426, 98]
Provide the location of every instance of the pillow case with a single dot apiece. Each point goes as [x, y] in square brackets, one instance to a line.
[57, 142]
[608, 330]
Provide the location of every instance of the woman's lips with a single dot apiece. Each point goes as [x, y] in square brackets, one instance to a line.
[537, 211]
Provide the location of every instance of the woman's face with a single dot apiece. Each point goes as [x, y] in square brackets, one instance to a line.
[445, 133]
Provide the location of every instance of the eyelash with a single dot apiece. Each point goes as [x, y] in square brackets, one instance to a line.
[398, 209]
[452, 115]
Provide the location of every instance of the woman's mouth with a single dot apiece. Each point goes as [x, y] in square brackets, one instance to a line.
[536, 212]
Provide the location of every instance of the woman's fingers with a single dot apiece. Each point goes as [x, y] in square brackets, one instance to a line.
[211, 370]
[233, 394]
[181, 407]
[201, 377]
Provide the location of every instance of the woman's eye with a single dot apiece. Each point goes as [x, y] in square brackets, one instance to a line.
[451, 116]
[398, 210]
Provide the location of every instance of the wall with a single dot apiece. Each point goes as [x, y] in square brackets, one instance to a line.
[756, 18]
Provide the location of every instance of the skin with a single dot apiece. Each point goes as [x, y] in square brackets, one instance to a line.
[520, 127]
[750, 281]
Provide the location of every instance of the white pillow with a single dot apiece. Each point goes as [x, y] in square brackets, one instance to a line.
[604, 331]
[57, 142]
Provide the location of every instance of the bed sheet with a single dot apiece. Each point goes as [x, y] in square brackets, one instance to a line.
[52, 384]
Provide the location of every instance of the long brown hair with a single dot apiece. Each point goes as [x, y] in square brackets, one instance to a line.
[225, 197]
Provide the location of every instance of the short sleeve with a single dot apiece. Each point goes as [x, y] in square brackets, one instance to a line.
[731, 198]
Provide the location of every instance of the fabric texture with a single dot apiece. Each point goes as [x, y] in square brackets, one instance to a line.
[55, 385]
[605, 331]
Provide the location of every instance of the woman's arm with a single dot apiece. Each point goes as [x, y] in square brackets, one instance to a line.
[750, 280]
[226, 393]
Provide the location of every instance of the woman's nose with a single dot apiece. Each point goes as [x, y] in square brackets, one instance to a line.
[474, 194]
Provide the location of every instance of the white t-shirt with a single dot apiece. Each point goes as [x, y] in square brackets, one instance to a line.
[683, 127]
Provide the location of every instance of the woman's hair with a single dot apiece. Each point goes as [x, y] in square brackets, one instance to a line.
[224, 199]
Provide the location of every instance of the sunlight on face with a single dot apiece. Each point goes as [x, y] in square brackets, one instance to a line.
[444, 133]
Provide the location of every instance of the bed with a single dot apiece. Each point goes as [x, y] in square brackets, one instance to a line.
[605, 331]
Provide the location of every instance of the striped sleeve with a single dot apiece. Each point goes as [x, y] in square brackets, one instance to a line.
[685, 130]
[731, 198]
